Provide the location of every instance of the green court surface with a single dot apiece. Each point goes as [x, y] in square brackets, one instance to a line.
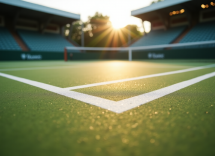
[39, 122]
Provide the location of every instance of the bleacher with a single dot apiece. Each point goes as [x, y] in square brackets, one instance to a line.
[7, 42]
[158, 37]
[46, 42]
[201, 32]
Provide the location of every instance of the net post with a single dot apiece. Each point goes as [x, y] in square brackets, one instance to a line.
[130, 54]
[65, 54]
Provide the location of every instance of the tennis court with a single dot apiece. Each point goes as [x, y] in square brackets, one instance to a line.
[107, 107]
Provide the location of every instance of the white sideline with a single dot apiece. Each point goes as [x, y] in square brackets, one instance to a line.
[147, 97]
[115, 106]
[138, 78]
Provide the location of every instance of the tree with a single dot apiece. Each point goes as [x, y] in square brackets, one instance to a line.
[98, 32]
[76, 31]
[134, 31]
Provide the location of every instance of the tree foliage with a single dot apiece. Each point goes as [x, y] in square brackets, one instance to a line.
[98, 32]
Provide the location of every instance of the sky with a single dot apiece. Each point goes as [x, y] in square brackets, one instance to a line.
[119, 11]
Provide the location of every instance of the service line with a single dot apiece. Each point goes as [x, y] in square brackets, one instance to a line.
[141, 77]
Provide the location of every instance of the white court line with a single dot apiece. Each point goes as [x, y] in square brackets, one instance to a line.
[147, 97]
[51, 67]
[115, 106]
[36, 68]
[138, 78]
[77, 66]
[33, 68]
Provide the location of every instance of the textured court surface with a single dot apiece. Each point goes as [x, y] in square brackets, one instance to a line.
[34, 121]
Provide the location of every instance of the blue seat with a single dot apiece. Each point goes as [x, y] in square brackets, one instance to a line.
[159, 37]
[46, 42]
[7, 42]
[201, 32]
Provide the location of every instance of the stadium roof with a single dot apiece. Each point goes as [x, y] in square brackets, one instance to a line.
[40, 8]
[157, 6]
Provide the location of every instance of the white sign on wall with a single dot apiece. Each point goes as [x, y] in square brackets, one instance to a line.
[31, 57]
[155, 56]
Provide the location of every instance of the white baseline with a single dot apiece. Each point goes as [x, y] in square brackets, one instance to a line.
[80, 66]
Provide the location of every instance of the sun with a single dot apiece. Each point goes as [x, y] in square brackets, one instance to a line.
[118, 24]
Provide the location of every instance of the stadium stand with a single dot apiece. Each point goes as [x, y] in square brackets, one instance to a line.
[7, 42]
[29, 27]
[182, 25]
[201, 32]
[157, 37]
[49, 42]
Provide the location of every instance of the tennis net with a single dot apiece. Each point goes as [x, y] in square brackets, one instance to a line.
[129, 50]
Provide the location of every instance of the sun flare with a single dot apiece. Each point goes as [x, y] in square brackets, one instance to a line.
[118, 24]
